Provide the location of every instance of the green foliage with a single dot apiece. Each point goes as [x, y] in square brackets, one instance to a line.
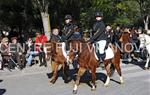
[129, 13]
[25, 13]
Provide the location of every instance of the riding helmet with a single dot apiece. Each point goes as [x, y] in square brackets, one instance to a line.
[98, 14]
[68, 17]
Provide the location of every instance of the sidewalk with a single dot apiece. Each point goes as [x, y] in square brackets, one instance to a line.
[35, 69]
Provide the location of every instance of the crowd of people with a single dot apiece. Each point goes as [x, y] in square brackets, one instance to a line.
[16, 54]
[12, 55]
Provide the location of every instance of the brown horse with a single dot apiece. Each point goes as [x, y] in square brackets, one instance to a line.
[57, 58]
[88, 61]
[126, 45]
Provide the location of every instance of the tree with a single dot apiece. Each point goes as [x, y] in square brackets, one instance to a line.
[11, 13]
[43, 5]
[145, 11]
[28, 13]
[128, 12]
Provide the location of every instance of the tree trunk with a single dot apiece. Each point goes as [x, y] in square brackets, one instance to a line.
[46, 24]
[146, 22]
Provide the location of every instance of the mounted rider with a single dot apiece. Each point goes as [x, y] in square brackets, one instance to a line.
[70, 30]
[99, 35]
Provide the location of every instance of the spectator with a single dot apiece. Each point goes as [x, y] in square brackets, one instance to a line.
[30, 52]
[134, 38]
[6, 56]
[55, 37]
[17, 53]
[40, 40]
[117, 36]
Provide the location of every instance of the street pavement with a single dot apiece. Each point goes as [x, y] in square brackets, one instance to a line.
[34, 81]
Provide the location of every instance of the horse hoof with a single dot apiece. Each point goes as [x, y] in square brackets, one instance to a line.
[146, 68]
[121, 83]
[106, 85]
[52, 81]
[93, 89]
[74, 92]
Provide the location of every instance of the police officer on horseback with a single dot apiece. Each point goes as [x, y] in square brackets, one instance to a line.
[99, 36]
[69, 31]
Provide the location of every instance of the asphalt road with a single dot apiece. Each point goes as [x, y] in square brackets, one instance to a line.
[34, 81]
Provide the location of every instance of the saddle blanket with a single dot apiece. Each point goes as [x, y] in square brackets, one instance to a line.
[109, 54]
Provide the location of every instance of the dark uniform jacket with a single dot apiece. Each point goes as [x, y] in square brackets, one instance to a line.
[56, 38]
[69, 32]
[109, 36]
[99, 32]
[117, 35]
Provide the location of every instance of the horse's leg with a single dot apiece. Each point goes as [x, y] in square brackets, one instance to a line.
[63, 71]
[117, 66]
[108, 73]
[147, 63]
[52, 66]
[93, 78]
[55, 73]
[80, 73]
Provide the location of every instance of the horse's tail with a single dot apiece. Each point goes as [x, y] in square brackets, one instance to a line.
[112, 70]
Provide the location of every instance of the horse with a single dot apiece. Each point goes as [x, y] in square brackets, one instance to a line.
[126, 46]
[145, 44]
[58, 57]
[87, 60]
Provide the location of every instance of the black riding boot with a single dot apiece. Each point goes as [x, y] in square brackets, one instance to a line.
[102, 58]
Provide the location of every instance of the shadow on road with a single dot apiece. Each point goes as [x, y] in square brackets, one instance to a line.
[1, 80]
[86, 78]
[71, 74]
[2, 91]
[137, 63]
[140, 64]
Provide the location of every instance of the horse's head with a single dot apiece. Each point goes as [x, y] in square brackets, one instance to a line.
[75, 49]
[71, 56]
